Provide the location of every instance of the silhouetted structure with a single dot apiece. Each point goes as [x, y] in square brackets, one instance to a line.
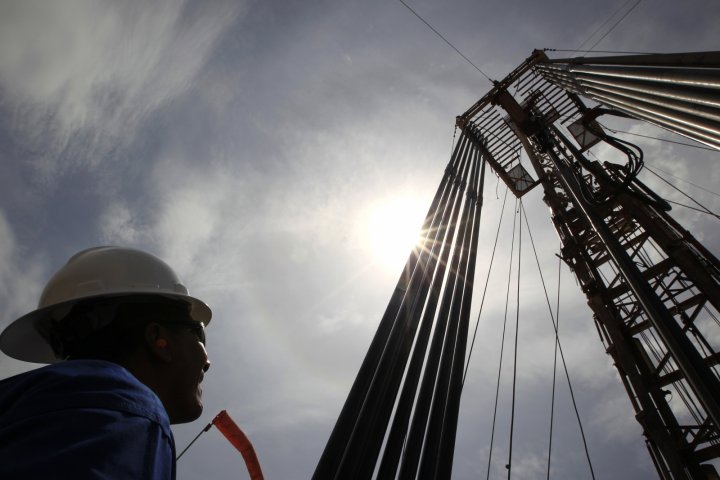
[653, 288]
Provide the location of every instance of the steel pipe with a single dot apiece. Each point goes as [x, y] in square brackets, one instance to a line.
[707, 98]
[561, 77]
[371, 424]
[693, 59]
[685, 124]
[712, 114]
[339, 443]
[666, 121]
[703, 78]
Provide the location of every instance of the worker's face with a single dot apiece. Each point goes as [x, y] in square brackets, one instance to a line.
[189, 364]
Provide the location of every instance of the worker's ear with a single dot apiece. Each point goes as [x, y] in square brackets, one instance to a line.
[157, 343]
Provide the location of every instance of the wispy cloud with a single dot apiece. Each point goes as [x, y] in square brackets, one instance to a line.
[81, 76]
[21, 281]
[20, 275]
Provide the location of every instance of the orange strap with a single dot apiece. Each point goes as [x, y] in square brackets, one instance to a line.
[232, 432]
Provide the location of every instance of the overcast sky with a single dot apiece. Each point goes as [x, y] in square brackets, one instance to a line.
[254, 146]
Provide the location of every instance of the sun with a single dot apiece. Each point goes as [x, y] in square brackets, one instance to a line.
[393, 229]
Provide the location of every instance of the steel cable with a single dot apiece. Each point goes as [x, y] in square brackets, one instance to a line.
[703, 208]
[487, 282]
[555, 356]
[502, 343]
[613, 27]
[517, 330]
[562, 355]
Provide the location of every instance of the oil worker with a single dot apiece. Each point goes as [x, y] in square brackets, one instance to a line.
[126, 344]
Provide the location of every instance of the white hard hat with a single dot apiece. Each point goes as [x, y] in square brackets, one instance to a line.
[100, 272]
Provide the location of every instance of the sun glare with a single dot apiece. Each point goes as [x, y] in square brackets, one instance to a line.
[393, 229]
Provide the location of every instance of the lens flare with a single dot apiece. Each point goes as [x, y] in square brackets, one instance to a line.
[393, 229]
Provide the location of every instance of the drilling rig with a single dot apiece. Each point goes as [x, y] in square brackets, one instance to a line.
[652, 288]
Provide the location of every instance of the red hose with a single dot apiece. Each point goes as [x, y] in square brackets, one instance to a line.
[232, 432]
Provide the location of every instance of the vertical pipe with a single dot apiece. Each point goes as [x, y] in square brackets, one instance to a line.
[371, 424]
[337, 444]
[400, 422]
[450, 421]
[456, 282]
[413, 447]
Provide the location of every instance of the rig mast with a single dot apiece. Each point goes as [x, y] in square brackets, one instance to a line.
[653, 289]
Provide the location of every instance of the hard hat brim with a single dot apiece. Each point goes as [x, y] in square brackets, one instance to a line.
[22, 340]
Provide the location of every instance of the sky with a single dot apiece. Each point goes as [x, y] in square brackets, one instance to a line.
[259, 147]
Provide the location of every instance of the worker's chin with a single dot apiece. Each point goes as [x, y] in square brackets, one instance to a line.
[189, 414]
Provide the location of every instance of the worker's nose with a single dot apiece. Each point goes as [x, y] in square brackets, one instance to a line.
[207, 366]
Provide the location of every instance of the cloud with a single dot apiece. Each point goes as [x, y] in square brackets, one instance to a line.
[118, 225]
[20, 275]
[21, 280]
[82, 76]
[610, 416]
